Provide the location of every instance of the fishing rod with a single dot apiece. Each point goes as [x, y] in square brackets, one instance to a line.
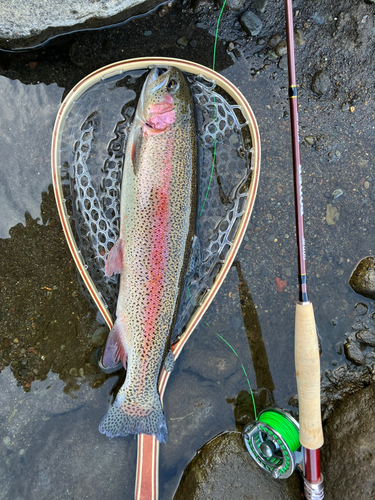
[306, 340]
[275, 440]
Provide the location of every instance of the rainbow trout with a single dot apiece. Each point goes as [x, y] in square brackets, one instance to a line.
[158, 198]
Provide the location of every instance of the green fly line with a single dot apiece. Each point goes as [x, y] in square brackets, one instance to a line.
[213, 89]
[283, 426]
[244, 371]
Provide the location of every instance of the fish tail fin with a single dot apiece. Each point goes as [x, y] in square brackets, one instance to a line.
[125, 418]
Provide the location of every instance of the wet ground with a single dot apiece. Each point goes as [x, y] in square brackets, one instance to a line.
[52, 393]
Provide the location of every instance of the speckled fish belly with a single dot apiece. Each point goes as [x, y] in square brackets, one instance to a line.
[157, 226]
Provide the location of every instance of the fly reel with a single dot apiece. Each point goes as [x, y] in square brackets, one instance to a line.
[273, 442]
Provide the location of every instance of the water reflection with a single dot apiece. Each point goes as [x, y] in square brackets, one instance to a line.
[254, 334]
[26, 122]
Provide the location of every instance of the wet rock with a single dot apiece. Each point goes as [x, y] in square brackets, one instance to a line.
[337, 193]
[348, 458]
[261, 41]
[342, 382]
[232, 4]
[361, 309]
[354, 354]
[332, 215]
[283, 63]
[99, 336]
[298, 37]
[260, 5]
[362, 279]
[345, 107]
[183, 41]
[320, 83]
[28, 23]
[281, 48]
[310, 139]
[163, 11]
[251, 23]
[274, 40]
[366, 337]
[223, 469]
[193, 43]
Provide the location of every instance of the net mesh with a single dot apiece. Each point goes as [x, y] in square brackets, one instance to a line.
[92, 158]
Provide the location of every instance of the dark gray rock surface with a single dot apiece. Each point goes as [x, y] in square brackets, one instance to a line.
[223, 470]
[348, 459]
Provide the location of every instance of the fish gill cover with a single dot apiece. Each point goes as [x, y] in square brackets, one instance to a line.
[92, 150]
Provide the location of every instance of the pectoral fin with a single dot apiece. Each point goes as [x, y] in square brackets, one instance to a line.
[113, 264]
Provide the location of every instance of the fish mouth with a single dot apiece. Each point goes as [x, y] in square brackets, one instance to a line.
[156, 73]
[156, 79]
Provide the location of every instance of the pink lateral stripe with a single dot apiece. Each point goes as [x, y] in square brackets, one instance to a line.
[158, 258]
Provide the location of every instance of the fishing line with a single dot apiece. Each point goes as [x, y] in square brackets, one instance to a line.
[244, 371]
[213, 90]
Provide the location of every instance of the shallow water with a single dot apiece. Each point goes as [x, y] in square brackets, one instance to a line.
[52, 393]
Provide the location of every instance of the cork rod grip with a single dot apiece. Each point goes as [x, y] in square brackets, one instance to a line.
[308, 377]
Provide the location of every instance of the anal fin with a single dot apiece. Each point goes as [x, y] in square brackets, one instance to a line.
[114, 352]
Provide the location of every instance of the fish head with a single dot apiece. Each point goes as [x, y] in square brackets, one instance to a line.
[165, 94]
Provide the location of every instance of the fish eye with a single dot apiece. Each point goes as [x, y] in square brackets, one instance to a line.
[172, 84]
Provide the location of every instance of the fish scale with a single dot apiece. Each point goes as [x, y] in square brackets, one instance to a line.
[158, 213]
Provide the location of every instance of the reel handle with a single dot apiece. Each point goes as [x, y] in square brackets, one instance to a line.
[308, 376]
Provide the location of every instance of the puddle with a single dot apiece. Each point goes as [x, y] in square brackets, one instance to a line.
[49, 442]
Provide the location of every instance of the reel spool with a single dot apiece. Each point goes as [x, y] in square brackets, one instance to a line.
[273, 442]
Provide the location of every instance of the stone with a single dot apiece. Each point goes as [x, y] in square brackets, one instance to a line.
[337, 193]
[283, 63]
[354, 354]
[281, 48]
[345, 107]
[274, 40]
[310, 139]
[251, 23]
[99, 336]
[222, 469]
[320, 83]
[332, 215]
[298, 37]
[183, 41]
[362, 279]
[232, 4]
[348, 459]
[163, 11]
[366, 337]
[30, 23]
[260, 5]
